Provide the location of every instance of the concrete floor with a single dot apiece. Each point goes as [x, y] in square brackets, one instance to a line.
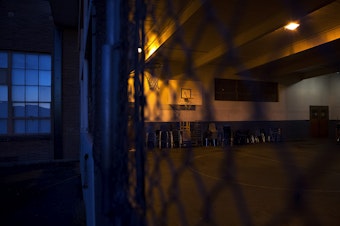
[290, 183]
[45, 194]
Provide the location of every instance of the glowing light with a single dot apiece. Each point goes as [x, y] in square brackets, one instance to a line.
[152, 45]
[139, 50]
[292, 26]
[152, 50]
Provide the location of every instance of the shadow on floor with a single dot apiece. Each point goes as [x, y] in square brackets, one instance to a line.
[41, 194]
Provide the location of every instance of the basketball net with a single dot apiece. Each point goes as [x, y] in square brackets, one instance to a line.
[186, 103]
[152, 81]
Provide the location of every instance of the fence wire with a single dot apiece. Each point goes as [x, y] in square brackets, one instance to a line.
[183, 174]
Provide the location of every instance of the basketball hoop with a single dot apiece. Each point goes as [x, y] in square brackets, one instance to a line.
[187, 105]
[152, 81]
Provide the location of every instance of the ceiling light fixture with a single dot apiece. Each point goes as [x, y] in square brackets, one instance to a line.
[292, 26]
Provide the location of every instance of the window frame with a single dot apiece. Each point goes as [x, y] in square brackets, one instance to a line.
[37, 120]
[245, 90]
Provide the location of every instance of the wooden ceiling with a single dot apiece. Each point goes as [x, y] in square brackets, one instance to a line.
[246, 37]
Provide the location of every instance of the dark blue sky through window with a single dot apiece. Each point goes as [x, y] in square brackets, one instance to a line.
[3, 60]
[25, 93]
[31, 92]
[18, 60]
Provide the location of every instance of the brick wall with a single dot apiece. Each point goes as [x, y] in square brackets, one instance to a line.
[26, 27]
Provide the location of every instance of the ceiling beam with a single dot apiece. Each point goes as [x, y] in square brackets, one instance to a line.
[296, 47]
[242, 39]
[267, 29]
[155, 41]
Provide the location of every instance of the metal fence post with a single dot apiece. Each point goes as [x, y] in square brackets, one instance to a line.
[112, 181]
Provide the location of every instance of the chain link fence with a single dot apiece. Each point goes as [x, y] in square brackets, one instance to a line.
[203, 145]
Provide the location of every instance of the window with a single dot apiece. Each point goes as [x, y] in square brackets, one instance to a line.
[3, 92]
[244, 90]
[25, 93]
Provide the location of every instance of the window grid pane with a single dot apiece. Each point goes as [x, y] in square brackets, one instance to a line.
[44, 109]
[3, 60]
[18, 77]
[32, 93]
[19, 109]
[45, 78]
[44, 126]
[19, 126]
[32, 77]
[32, 126]
[45, 62]
[3, 77]
[45, 94]
[3, 109]
[18, 93]
[3, 126]
[3, 93]
[32, 61]
[18, 60]
[32, 110]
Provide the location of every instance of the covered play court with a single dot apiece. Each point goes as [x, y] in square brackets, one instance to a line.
[290, 183]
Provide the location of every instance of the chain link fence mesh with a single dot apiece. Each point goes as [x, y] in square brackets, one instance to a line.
[178, 174]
